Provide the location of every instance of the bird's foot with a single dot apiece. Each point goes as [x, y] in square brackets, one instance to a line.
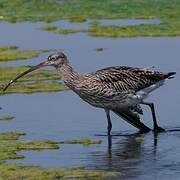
[158, 129]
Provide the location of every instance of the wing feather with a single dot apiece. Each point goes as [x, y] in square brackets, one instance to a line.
[123, 78]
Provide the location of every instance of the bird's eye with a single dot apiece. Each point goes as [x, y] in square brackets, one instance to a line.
[53, 58]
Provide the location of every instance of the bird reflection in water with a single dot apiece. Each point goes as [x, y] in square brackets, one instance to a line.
[126, 153]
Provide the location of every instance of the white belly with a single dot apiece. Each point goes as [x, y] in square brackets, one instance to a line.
[142, 94]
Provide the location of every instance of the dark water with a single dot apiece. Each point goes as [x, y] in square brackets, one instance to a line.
[62, 115]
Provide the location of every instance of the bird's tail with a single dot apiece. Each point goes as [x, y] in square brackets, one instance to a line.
[133, 119]
[170, 75]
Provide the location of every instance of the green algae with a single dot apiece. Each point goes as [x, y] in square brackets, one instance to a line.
[99, 49]
[9, 52]
[7, 73]
[34, 87]
[150, 30]
[76, 19]
[38, 81]
[139, 139]
[37, 145]
[49, 28]
[10, 145]
[11, 135]
[167, 11]
[79, 10]
[7, 48]
[57, 30]
[83, 141]
[6, 118]
[18, 171]
[113, 31]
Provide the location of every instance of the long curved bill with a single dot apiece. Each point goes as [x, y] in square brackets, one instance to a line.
[45, 63]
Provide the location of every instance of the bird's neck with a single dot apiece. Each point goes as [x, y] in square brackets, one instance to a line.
[68, 75]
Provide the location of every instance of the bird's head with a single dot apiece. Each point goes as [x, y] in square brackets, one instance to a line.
[56, 59]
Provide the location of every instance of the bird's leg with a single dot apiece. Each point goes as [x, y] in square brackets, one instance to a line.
[110, 146]
[109, 127]
[156, 127]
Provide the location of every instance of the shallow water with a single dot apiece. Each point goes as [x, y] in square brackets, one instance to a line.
[62, 115]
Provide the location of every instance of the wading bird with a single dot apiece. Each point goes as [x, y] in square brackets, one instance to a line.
[119, 89]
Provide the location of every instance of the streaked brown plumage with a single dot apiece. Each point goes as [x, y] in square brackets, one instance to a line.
[119, 89]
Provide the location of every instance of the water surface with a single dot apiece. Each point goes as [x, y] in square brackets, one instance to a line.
[62, 115]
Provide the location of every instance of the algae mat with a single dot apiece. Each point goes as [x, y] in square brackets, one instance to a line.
[9, 146]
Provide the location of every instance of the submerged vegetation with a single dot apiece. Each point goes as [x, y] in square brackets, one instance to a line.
[98, 30]
[99, 49]
[83, 141]
[167, 11]
[9, 52]
[79, 10]
[38, 81]
[46, 80]
[6, 118]
[9, 146]
[161, 29]
[57, 30]
[17, 171]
